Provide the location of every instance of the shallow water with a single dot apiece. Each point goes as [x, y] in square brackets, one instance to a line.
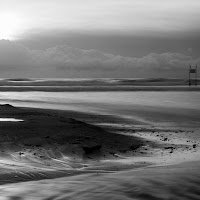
[10, 120]
[157, 108]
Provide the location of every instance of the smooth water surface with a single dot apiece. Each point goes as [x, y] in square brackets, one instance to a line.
[10, 120]
[148, 107]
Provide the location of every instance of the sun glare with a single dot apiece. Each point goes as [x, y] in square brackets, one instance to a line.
[10, 25]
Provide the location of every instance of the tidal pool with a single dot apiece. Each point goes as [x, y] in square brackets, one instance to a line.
[10, 120]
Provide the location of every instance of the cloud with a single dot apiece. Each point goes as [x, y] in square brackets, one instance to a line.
[66, 61]
[13, 55]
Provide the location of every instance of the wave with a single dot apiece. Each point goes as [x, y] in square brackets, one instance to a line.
[90, 82]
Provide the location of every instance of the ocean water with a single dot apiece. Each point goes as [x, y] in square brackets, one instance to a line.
[100, 84]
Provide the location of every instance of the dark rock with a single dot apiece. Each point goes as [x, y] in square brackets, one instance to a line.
[194, 145]
[112, 153]
[172, 149]
[168, 147]
[133, 147]
[123, 151]
[92, 149]
[6, 106]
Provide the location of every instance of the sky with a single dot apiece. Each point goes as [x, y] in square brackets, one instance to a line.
[92, 38]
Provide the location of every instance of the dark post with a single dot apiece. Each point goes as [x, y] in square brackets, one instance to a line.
[189, 75]
[196, 76]
[192, 71]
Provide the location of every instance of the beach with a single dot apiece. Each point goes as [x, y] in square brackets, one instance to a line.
[98, 145]
[99, 100]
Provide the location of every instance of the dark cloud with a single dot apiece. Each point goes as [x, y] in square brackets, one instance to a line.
[131, 45]
[66, 61]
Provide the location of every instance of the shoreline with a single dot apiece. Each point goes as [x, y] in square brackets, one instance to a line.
[98, 88]
[157, 148]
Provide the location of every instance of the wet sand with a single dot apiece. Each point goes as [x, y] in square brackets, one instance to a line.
[97, 156]
[45, 142]
[158, 183]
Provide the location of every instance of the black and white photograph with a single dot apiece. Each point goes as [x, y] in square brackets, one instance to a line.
[99, 99]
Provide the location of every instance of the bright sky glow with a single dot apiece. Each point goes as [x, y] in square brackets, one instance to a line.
[10, 25]
[130, 16]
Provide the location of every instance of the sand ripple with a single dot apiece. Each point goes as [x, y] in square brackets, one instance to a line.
[170, 182]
